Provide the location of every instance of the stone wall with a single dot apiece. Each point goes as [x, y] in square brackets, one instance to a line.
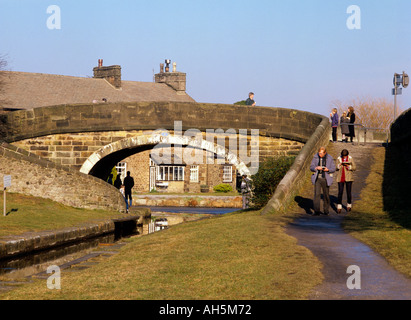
[73, 149]
[290, 185]
[401, 135]
[292, 128]
[35, 176]
[272, 122]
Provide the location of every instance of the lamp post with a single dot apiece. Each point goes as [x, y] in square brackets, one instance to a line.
[399, 79]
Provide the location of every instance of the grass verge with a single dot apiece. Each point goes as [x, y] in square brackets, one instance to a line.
[27, 213]
[380, 219]
[236, 256]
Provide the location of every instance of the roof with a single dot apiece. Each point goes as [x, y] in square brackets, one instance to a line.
[23, 90]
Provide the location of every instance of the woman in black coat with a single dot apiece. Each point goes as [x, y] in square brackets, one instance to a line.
[351, 116]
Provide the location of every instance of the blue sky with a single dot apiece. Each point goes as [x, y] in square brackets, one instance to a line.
[294, 54]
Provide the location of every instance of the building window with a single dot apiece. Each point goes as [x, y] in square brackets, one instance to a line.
[193, 173]
[170, 173]
[121, 168]
[227, 174]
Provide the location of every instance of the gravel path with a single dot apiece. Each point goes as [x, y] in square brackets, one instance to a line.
[337, 250]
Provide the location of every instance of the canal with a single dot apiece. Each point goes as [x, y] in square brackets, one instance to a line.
[83, 254]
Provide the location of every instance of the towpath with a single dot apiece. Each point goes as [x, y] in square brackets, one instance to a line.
[337, 250]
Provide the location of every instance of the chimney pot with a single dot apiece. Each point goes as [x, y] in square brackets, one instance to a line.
[100, 63]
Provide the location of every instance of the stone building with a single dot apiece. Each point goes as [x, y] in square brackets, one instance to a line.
[23, 90]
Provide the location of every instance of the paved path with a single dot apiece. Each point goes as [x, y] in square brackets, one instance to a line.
[337, 250]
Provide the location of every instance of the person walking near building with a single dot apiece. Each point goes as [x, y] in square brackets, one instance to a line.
[322, 167]
[334, 123]
[117, 182]
[128, 185]
[245, 191]
[345, 131]
[345, 176]
[351, 116]
[250, 101]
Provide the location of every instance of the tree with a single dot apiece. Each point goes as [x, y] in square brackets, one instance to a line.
[371, 113]
[3, 65]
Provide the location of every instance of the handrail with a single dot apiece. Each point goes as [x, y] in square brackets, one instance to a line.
[365, 129]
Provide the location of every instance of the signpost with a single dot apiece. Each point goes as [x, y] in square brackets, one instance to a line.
[399, 79]
[6, 184]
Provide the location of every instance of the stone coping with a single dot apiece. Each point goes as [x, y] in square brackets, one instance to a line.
[294, 178]
[28, 242]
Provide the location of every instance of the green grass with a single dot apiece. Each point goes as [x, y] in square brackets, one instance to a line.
[27, 213]
[236, 256]
[381, 218]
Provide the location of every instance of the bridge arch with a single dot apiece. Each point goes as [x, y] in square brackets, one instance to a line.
[114, 152]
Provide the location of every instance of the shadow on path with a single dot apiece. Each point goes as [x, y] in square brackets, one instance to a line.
[337, 250]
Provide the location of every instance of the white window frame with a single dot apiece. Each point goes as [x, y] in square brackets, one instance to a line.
[121, 168]
[227, 174]
[194, 169]
[170, 173]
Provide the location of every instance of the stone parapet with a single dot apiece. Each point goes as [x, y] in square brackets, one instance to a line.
[33, 175]
[295, 177]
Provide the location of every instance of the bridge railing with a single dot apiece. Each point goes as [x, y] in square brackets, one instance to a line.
[364, 135]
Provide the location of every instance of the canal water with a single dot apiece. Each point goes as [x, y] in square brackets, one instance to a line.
[77, 256]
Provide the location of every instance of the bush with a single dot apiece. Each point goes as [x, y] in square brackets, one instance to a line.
[223, 187]
[269, 175]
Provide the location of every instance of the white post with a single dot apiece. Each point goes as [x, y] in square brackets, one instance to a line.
[4, 205]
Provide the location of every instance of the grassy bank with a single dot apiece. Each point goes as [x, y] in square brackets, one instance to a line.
[27, 213]
[236, 256]
[382, 217]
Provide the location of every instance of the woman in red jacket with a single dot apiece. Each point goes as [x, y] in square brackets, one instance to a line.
[345, 176]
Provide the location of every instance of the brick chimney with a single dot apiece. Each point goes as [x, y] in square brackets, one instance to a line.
[111, 73]
[175, 79]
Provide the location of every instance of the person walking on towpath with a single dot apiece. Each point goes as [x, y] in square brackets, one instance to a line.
[322, 167]
[128, 185]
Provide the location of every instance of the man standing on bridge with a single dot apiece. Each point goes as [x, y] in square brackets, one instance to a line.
[128, 185]
[250, 101]
[322, 165]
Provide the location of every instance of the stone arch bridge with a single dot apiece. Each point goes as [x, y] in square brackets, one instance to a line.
[89, 137]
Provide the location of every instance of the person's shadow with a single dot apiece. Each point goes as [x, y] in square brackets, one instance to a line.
[12, 210]
[308, 204]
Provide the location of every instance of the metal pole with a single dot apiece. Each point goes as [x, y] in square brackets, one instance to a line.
[395, 101]
[4, 205]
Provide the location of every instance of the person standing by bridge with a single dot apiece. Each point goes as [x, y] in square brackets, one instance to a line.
[351, 116]
[322, 165]
[128, 185]
[334, 123]
[250, 101]
[345, 131]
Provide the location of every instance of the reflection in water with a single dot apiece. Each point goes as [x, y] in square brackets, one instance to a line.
[70, 254]
[35, 263]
